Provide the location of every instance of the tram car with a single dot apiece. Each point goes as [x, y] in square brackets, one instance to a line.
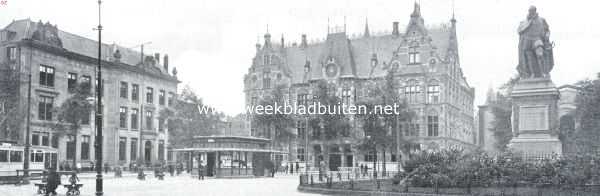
[12, 157]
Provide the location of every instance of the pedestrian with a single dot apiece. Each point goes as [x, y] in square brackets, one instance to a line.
[292, 169]
[172, 170]
[105, 167]
[73, 179]
[298, 167]
[53, 182]
[200, 171]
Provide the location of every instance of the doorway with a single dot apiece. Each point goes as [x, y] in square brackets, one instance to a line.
[335, 161]
[148, 152]
[210, 163]
[349, 161]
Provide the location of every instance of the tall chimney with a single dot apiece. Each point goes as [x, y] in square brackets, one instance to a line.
[157, 57]
[395, 31]
[304, 42]
[166, 62]
[267, 40]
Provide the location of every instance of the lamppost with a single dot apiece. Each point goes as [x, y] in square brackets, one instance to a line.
[27, 134]
[98, 121]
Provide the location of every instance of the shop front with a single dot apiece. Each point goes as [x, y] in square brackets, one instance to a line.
[228, 156]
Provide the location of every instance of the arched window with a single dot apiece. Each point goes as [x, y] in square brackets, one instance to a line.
[432, 125]
[266, 80]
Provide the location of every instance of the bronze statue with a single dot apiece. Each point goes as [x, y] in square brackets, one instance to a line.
[535, 49]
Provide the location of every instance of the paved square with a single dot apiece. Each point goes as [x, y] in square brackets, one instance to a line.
[176, 186]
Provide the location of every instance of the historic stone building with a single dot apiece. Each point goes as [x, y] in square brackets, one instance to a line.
[426, 70]
[134, 92]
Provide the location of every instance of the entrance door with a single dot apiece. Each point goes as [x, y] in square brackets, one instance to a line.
[148, 152]
[349, 161]
[210, 163]
[335, 161]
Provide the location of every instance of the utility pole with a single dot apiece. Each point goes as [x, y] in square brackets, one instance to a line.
[99, 139]
[27, 132]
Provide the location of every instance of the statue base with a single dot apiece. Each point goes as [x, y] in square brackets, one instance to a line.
[535, 117]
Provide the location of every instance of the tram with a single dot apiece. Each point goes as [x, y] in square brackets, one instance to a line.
[12, 157]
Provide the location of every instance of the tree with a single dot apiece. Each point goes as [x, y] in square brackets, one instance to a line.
[501, 108]
[185, 120]
[378, 126]
[280, 123]
[331, 124]
[72, 112]
[585, 138]
[12, 116]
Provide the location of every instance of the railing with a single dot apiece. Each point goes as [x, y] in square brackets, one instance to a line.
[346, 178]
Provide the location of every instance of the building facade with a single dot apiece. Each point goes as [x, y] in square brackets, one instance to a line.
[425, 66]
[134, 94]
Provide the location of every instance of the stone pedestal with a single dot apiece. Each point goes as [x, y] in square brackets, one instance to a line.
[535, 117]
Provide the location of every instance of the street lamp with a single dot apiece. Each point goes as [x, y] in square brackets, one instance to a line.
[98, 119]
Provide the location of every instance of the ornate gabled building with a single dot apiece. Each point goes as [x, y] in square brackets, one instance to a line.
[135, 91]
[426, 71]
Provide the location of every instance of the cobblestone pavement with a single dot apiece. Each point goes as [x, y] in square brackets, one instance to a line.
[176, 186]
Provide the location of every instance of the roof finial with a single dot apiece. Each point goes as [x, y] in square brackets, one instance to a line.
[267, 28]
[453, 10]
[367, 33]
[327, 25]
[344, 23]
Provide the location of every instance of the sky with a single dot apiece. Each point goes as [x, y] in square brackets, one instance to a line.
[212, 42]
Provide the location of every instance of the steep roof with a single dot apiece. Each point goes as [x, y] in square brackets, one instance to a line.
[25, 29]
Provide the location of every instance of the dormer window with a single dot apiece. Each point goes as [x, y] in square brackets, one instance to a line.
[413, 56]
[374, 60]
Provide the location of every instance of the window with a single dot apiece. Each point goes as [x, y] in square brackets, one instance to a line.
[410, 129]
[134, 118]
[123, 90]
[413, 56]
[432, 126]
[266, 80]
[316, 133]
[171, 97]
[70, 147]
[45, 108]
[302, 99]
[346, 95]
[433, 93]
[45, 139]
[16, 156]
[123, 117]
[133, 149]
[301, 128]
[412, 91]
[300, 154]
[135, 92]
[161, 124]
[46, 76]
[3, 155]
[35, 138]
[11, 53]
[71, 81]
[54, 141]
[86, 121]
[266, 59]
[87, 80]
[122, 148]
[149, 95]
[148, 120]
[85, 147]
[161, 150]
[161, 97]
[370, 156]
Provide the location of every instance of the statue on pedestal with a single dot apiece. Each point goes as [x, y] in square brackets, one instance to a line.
[535, 49]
